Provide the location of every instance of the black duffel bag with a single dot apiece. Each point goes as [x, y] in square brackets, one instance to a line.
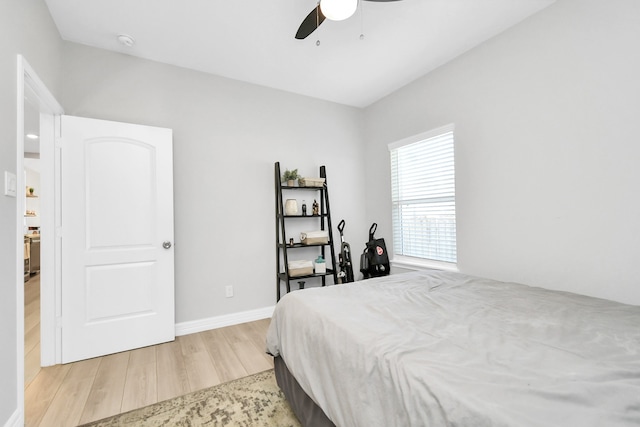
[374, 261]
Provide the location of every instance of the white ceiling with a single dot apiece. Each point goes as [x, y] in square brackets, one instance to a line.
[253, 40]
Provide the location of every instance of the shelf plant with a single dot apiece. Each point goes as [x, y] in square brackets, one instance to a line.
[290, 176]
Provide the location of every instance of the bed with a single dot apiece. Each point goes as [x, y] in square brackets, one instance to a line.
[435, 348]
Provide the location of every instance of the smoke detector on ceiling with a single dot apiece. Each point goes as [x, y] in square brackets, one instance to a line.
[126, 40]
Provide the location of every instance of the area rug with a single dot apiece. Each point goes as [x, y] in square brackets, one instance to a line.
[255, 400]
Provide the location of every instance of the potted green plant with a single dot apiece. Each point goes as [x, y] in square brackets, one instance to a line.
[290, 176]
[31, 190]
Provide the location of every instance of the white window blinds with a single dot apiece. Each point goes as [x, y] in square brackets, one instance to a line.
[423, 196]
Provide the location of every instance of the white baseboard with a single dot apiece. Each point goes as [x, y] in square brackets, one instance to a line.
[195, 326]
[16, 420]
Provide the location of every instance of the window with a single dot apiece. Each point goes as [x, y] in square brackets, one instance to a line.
[423, 197]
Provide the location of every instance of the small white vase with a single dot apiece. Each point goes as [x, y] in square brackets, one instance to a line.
[291, 207]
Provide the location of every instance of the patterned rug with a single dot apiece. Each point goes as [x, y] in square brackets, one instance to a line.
[255, 400]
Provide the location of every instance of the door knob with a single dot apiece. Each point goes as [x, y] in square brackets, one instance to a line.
[166, 245]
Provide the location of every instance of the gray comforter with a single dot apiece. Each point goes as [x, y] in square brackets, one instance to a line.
[446, 349]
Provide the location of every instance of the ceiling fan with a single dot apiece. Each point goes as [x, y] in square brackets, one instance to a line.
[334, 10]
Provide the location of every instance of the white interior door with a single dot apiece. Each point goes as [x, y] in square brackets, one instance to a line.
[117, 228]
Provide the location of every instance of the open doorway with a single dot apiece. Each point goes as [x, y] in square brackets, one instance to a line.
[36, 108]
[32, 234]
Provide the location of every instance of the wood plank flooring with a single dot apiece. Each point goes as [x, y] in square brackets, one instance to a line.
[80, 392]
[31, 328]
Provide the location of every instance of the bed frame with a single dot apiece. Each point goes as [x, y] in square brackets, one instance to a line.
[309, 414]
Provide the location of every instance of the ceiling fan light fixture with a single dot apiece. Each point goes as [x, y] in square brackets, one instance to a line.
[338, 10]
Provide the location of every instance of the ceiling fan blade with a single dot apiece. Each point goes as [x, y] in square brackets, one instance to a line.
[310, 23]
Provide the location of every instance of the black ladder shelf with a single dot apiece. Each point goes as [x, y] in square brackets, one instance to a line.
[282, 239]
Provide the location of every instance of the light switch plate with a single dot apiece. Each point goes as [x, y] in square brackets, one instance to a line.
[10, 184]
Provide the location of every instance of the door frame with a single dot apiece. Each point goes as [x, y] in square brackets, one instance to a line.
[29, 84]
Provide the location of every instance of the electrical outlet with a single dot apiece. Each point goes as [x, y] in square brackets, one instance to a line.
[228, 291]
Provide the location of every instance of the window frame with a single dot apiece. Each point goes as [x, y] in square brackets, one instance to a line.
[410, 262]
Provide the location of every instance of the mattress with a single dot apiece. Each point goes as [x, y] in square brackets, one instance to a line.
[437, 348]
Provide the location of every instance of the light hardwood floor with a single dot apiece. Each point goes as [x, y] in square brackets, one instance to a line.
[31, 328]
[76, 393]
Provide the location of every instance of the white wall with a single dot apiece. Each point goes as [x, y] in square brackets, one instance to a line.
[25, 28]
[547, 148]
[227, 136]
